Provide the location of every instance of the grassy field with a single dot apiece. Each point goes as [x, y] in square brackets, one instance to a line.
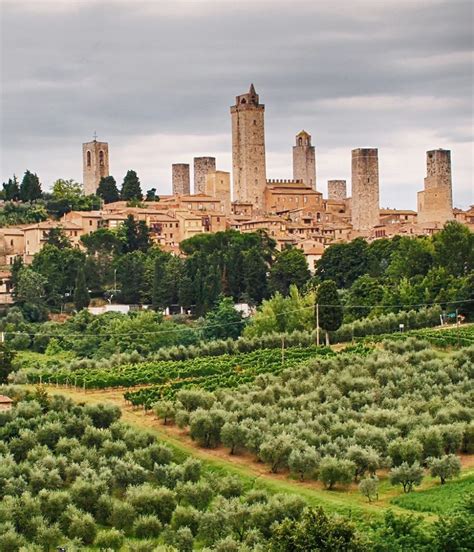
[440, 499]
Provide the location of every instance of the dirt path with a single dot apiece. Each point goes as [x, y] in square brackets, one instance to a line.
[348, 501]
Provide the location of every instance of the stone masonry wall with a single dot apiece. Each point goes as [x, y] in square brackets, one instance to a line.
[180, 179]
[202, 167]
[365, 189]
[95, 164]
[337, 189]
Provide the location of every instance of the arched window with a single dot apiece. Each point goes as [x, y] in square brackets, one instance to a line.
[243, 101]
[101, 158]
[300, 141]
[88, 156]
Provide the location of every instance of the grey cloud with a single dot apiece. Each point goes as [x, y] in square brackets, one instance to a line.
[132, 70]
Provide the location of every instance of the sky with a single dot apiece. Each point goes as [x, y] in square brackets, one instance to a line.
[155, 79]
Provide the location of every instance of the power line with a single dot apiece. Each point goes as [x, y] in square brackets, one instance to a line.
[235, 323]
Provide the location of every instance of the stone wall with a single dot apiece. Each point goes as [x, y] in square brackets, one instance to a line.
[218, 185]
[95, 164]
[248, 149]
[202, 167]
[337, 189]
[365, 189]
[180, 179]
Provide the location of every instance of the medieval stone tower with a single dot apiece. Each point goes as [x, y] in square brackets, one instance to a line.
[435, 202]
[248, 149]
[365, 189]
[304, 160]
[95, 164]
[337, 190]
[202, 167]
[180, 178]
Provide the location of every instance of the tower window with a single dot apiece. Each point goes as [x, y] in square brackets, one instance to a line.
[88, 156]
[242, 101]
[254, 121]
[300, 141]
[101, 158]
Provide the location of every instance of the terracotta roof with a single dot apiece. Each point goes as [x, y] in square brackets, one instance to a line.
[5, 400]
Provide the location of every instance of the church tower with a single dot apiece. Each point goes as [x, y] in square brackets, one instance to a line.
[304, 160]
[248, 149]
[95, 163]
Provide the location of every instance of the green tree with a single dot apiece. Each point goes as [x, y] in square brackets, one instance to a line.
[130, 274]
[107, 189]
[224, 321]
[405, 451]
[369, 488]
[408, 475]
[11, 189]
[303, 460]
[57, 238]
[67, 189]
[135, 236]
[81, 293]
[446, 467]
[233, 435]
[290, 267]
[334, 470]
[276, 451]
[344, 262]
[328, 307]
[413, 257]
[30, 188]
[151, 195]
[454, 248]
[6, 362]
[131, 189]
[30, 293]
[315, 531]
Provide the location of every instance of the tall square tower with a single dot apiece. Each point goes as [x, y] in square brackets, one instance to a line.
[304, 160]
[248, 149]
[95, 164]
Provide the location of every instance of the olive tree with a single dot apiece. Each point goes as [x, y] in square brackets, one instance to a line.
[368, 487]
[446, 467]
[408, 475]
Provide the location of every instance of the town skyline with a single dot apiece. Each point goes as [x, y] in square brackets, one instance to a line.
[185, 113]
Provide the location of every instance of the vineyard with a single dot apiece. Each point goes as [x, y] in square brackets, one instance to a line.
[451, 336]
[210, 372]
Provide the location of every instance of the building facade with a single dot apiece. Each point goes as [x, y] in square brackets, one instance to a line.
[435, 202]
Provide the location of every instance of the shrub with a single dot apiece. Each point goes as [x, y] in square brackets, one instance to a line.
[110, 539]
[146, 527]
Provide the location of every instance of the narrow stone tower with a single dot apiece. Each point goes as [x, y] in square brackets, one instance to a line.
[304, 160]
[365, 189]
[180, 178]
[248, 149]
[95, 164]
[435, 202]
[337, 189]
[202, 167]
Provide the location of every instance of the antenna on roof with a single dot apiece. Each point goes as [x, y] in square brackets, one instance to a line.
[95, 136]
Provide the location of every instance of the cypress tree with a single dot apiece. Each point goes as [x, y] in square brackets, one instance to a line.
[81, 293]
[30, 188]
[131, 188]
[330, 307]
[107, 189]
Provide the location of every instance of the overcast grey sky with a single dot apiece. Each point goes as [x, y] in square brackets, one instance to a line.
[155, 79]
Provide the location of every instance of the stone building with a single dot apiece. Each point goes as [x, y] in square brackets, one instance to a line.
[248, 149]
[435, 202]
[95, 164]
[218, 185]
[304, 160]
[202, 167]
[337, 190]
[180, 179]
[285, 195]
[365, 189]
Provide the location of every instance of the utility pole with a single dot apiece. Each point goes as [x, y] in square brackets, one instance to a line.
[317, 324]
[282, 350]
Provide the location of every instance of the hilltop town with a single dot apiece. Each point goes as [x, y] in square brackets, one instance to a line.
[293, 212]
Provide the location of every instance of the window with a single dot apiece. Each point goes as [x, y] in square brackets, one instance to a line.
[11, 242]
[90, 223]
[88, 157]
[300, 141]
[101, 158]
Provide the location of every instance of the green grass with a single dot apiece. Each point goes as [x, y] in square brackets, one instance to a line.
[442, 499]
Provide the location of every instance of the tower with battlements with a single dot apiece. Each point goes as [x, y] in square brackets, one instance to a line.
[435, 202]
[304, 160]
[95, 164]
[365, 189]
[248, 149]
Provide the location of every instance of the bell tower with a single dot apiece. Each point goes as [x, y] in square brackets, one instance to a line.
[95, 164]
[304, 160]
[248, 149]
